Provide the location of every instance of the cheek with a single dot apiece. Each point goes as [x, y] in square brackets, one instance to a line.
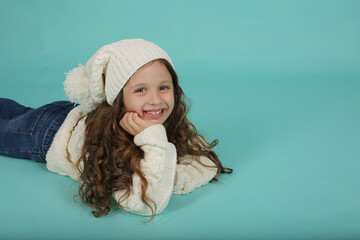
[171, 101]
[133, 105]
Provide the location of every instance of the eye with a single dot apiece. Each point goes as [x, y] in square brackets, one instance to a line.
[164, 87]
[140, 90]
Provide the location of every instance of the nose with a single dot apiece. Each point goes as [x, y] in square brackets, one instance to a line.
[154, 98]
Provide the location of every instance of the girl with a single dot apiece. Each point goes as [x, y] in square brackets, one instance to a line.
[128, 140]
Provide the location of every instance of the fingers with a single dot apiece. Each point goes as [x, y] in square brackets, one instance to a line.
[132, 123]
[127, 124]
[141, 123]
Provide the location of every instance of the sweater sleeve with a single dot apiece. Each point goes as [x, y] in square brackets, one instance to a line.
[190, 174]
[158, 167]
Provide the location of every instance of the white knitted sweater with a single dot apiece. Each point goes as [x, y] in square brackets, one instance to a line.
[159, 165]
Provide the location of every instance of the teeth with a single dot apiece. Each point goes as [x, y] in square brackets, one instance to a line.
[155, 112]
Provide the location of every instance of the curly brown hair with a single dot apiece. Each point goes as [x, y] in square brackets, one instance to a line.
[110, 156]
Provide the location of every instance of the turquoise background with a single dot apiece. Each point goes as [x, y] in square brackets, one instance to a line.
[277, 82]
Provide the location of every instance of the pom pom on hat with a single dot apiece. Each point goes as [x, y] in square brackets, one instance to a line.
[119, 61]
[77, 86]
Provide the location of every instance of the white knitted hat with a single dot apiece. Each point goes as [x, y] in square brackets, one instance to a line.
[119, 61]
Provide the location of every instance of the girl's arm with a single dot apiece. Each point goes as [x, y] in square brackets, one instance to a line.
[190, 174]
[158, 167]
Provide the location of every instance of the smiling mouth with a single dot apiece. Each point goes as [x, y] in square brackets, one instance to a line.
[154, 113]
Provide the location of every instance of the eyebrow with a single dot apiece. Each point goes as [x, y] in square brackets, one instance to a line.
[144, 84]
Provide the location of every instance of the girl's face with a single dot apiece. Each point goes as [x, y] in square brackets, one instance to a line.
[150, 93]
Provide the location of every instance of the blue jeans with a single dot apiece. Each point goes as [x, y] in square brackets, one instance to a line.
[28, 133]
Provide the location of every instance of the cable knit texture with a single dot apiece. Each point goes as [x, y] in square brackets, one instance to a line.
[159, 165]
[190, 174]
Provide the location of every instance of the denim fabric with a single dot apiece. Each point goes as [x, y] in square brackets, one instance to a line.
[28, 133]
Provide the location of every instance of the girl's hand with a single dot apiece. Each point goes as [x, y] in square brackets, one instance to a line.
[133, 124]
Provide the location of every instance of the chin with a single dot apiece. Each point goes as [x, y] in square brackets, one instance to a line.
[156, 121]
